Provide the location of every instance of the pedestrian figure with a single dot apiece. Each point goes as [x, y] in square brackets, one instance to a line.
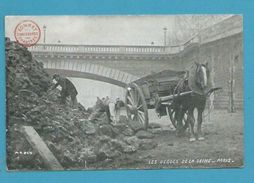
[110, 107]
[119, 103]
[100, 107]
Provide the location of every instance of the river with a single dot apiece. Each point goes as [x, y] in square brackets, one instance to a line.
[89, 90]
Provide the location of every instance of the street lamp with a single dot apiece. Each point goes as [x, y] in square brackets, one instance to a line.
[165, 36]
[44, 33]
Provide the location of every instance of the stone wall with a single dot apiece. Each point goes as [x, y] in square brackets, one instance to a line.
[225, 57]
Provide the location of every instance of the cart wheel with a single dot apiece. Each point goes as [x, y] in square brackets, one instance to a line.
[171, 113]
[136, 105]
[172, 116]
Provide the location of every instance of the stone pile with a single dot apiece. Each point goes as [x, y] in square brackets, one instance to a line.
[73, 139]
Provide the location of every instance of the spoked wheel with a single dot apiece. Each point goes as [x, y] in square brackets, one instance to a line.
[173, 118]
[136, 105]
[171, 113]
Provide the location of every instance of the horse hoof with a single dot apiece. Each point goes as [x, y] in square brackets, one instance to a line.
[201, 138]
[192, 139]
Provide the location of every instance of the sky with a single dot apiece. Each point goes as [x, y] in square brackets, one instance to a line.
[109, 30]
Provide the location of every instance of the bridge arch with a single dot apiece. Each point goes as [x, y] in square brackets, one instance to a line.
[81, 69]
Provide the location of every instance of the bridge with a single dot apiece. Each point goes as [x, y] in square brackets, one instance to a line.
[115, 64]
[122, 64]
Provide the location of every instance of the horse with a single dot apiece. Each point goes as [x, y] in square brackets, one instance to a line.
[199, 82]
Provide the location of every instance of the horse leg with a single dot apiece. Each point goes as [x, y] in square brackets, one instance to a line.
[191, 122]
[179, 118]
[199, 132]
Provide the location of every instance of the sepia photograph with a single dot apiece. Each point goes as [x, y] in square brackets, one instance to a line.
[124, 92]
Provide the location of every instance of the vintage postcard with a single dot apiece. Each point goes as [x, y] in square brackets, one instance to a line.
[124, 92]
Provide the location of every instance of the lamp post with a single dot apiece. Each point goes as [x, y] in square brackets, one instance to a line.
[44, 34]
[165, 36]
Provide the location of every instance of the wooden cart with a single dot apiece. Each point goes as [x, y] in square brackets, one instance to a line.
[155, 91]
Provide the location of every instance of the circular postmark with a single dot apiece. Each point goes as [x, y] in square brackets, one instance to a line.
[27, 33]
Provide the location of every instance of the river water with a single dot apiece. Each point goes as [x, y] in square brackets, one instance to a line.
[89, 90]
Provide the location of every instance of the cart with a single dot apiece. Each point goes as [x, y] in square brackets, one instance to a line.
[155, 91]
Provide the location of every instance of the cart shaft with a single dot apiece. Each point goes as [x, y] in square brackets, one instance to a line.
[170, 97]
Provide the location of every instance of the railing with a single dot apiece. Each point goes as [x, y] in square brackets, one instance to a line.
[123, 49]
[194, 39]
[111, 48]
[105, 49]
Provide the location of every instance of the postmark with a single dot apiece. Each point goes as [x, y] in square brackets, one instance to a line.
[27, 33]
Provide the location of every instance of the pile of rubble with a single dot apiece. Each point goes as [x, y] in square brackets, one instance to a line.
[72, 138]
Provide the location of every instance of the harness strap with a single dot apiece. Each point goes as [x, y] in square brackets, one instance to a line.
[179, 84]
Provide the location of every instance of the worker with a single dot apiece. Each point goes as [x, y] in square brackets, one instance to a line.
[109, 108]
[68, 89]
[119, 103]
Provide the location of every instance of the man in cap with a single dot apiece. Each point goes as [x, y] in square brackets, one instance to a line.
[68, 89]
